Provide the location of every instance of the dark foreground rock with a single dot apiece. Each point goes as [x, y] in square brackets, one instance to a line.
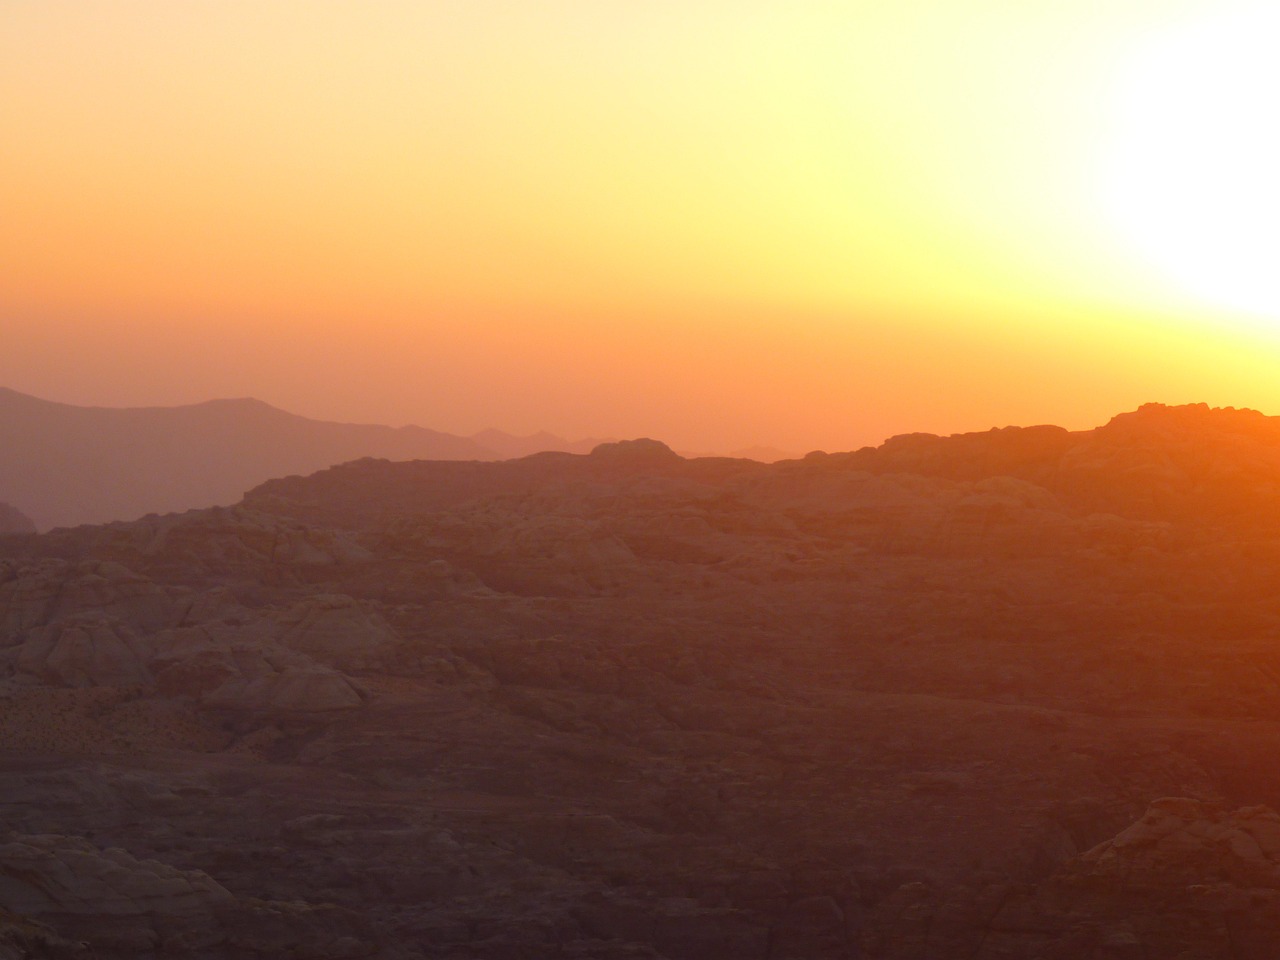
[1005, 695]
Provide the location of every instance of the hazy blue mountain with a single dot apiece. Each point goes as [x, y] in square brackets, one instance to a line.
[64, 465]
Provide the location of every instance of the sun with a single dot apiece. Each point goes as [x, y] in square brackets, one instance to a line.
[1192, 179]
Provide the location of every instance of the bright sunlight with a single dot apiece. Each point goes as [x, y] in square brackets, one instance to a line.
[1192, 181]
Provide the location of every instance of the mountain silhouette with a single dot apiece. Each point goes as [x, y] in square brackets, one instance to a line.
[13, 520]
[65, 465]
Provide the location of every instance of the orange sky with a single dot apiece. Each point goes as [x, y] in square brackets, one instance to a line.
[806, 224]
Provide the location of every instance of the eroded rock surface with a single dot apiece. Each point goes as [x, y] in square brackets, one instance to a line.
[1002, 695]
[1188, 879]
[119, 904]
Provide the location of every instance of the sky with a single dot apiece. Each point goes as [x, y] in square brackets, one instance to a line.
[802, 224]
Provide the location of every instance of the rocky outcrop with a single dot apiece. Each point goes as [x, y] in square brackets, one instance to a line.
[35, 593]
[22, 938]
[1187, 879]
[292, 689]
[98, 624]
[1182, 839]
[142, 907]
[244, 668]
[106, 896]
[84, 651]
[228, 542]
[57, 877]
[337, 630]
[29, 591]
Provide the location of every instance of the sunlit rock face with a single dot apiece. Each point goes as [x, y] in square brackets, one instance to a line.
[996, 696]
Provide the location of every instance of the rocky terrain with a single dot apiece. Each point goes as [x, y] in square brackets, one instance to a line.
[997, 696]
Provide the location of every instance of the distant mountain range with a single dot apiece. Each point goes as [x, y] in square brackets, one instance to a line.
[63, 465]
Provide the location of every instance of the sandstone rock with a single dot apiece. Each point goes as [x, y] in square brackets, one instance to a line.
[222, 541]
[243, 667]
[1187, 879]
[84, 651]
[52, 874]
[125, 906]
[336, 630]
[110, 588]
[204, 606]
[36, 593]
[296, 689]
[22, 938]
[1179, 837]
[28, 593]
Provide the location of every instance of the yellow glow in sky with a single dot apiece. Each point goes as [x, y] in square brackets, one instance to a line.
[1196, 162]
[803, 223]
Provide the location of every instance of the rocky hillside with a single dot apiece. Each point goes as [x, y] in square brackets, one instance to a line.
[995, 697]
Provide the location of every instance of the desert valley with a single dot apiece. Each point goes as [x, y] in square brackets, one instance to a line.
[993, 696]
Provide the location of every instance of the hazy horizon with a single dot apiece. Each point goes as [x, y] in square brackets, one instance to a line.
[535, 434]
